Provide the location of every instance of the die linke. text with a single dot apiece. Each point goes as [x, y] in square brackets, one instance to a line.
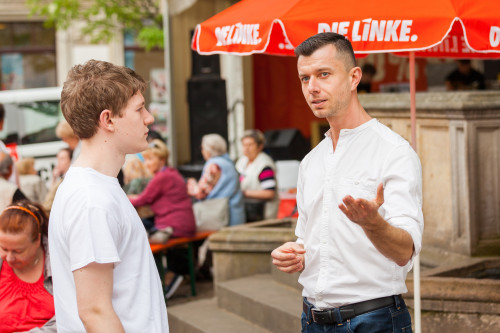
[372, 30]
[244, 34]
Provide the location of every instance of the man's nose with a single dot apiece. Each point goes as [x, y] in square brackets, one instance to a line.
[149, 118]
[312, 85]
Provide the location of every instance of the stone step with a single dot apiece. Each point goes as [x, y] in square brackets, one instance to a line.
[263, 301]
[204, 316]
[291, 280]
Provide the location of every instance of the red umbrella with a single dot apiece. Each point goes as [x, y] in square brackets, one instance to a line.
[424, 28]
[275, 27]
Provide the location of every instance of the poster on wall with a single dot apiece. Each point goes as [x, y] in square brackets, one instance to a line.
[158, 85]
[12, 71]
[159, 112]
[159, 100]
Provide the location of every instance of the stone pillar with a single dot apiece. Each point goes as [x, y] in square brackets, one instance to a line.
[458, 141]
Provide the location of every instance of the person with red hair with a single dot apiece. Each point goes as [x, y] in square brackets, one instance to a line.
[26, 301]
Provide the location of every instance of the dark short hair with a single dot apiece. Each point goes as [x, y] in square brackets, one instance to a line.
[341, 43]
[2, 112]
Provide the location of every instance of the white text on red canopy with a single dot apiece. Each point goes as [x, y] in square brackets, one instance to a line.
[494, 36]
[372, 30]
[244, 34]
[457, 45]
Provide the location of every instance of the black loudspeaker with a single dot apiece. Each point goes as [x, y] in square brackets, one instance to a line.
[286, 144]
[207, 111]
[205, 64]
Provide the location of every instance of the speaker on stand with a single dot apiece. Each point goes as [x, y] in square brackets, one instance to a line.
[207, 111]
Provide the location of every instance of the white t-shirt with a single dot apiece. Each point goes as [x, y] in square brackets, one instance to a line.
[92, 220]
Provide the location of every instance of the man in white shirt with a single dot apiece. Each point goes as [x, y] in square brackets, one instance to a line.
[105, 278]
[359, 197]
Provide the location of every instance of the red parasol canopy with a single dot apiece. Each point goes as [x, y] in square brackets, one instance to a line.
[435, 28]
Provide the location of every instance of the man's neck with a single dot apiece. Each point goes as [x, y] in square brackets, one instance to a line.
[354, 116]
[100, 155]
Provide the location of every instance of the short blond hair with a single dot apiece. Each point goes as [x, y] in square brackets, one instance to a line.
[93, 87]
[134, 168]
[25, 166]
[158, 148]
[64, 130]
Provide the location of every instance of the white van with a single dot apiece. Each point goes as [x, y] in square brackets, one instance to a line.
[31, 116]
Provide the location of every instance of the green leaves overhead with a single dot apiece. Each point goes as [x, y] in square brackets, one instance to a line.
[102, 18]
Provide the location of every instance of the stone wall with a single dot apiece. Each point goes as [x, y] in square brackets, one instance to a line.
[452, 300]
[458, 141]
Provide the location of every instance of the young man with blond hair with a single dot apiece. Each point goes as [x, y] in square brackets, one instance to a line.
[105, 278]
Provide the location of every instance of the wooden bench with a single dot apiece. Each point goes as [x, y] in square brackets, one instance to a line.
[159, 251]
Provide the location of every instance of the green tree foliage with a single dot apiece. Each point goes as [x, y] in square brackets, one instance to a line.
[103, 17]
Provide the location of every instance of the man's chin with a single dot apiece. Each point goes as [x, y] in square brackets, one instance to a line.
[139, 148]
[321, 114]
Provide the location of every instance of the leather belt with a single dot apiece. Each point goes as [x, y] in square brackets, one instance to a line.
[327, 317]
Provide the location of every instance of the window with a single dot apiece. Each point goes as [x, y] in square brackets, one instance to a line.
[27, 55]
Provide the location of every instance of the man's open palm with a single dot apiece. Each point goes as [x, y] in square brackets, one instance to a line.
[361, 211]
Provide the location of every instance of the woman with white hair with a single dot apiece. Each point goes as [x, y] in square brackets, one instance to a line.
[219, 178]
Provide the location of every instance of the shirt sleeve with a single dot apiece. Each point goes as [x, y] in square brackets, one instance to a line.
[267, 179]
[402, 181]
[93, 236]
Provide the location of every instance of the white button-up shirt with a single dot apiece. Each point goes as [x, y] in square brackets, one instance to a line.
[342, 266]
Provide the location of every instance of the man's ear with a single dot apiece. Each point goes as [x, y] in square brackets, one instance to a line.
[106, 121]
[355, 74]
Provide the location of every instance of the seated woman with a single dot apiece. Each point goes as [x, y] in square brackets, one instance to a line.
[219, 178]
[258, 178]
[30, 182]
[26, 301]
[135, 176]
[64, 157]
[167, 196]
[173, 216]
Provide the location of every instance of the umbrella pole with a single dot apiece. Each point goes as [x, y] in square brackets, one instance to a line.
[413, 108]
[416, 265]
